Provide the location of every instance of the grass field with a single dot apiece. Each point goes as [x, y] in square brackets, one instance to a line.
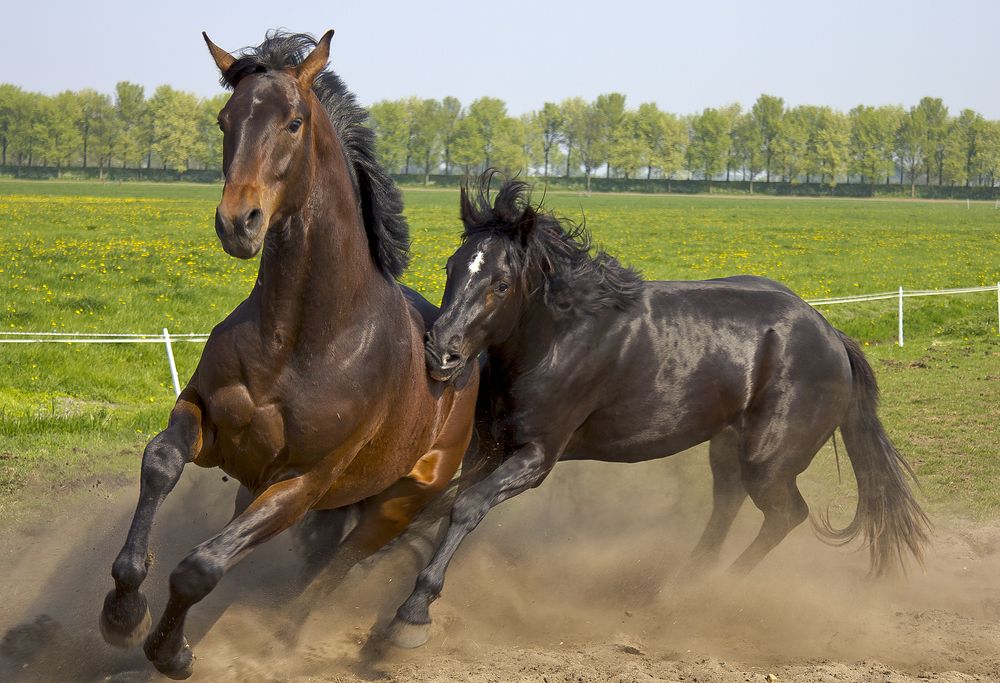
[89, 257]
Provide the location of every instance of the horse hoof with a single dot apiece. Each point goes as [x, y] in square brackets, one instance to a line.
[408, 636]
[125, 619]
[178, 667]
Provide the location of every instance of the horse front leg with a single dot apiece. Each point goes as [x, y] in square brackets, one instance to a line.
[525, 468]
[278, 508]
[125, 617]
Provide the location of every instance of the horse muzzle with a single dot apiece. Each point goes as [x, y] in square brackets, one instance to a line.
[241, 236]
[442, 365]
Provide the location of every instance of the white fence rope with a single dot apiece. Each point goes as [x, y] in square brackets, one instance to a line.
[905, 294]
[167, 339]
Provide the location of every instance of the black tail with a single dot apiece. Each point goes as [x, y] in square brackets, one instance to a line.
[888, 514]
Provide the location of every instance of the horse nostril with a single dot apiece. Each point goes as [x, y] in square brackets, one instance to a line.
[221, 226]
[450, 360]
[254, 219]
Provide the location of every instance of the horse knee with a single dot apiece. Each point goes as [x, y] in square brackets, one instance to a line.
[195, 577]
[162, 463]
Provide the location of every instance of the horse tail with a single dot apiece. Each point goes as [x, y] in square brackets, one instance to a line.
[888, 515]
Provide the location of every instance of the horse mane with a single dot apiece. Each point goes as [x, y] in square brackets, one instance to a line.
[575, 280]
[381, 201]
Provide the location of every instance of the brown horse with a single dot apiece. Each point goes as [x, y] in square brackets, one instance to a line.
[313, 393]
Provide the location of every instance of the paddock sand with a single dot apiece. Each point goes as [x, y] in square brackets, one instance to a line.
[579, 580]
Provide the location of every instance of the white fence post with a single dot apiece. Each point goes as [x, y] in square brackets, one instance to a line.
[173, 366]
[900, 316]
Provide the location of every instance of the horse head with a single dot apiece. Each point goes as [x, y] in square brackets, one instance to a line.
[270, 126]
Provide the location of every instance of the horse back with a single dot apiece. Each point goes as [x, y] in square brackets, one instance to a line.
[689, 358]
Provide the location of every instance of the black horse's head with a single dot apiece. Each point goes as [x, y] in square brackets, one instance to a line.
[514, 256]
[488, 281]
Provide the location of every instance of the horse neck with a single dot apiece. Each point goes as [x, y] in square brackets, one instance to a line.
[316, 272]
[532, 339]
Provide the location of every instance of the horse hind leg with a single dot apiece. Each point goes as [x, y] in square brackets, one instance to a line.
[319, 535]
[769, 475]
[384, 517]
[783, 508]
[728, 494]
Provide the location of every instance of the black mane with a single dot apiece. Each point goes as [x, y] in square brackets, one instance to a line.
[381, 201]
[575, 281]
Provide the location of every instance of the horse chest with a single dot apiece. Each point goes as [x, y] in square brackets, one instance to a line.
[248, 431]
[231, 407]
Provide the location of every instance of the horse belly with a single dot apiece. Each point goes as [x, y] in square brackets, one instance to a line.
[651, 424]
[381, 463]
[616, 439]
[361, 480]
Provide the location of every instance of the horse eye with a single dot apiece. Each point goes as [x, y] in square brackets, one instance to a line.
[502, 287]
[294, 125]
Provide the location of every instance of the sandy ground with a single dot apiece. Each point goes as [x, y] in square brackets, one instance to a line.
[580, 580]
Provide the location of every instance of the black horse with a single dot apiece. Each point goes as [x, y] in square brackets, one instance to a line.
[586, 361]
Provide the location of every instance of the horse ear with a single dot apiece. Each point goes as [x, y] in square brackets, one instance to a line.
[465, 205]
[223, 59]
[311, 66]
[526, 223]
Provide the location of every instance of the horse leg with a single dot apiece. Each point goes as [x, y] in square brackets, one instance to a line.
[125, 617]
[769, 474]
[280, 506]
[783, 508]
[319, 535]
[526, 468]
[322, 532]
[728, 495]
[383, 518]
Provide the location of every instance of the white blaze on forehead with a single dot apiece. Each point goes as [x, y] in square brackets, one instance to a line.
[477, 261]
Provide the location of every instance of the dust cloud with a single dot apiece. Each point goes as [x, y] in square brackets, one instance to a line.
[584, 578]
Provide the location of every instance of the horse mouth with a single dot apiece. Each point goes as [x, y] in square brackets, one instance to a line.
[442, 366]
[447, 372]
[244, 247]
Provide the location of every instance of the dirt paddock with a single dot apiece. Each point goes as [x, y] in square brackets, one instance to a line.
[581, 580]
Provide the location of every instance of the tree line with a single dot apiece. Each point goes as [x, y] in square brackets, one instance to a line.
[922, 144]
[769, 141]
[171, 129]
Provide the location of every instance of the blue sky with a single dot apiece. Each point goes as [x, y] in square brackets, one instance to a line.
[685, 56]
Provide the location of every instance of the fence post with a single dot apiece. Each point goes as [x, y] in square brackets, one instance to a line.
[173, 366]
[901, 316]
[998, 308]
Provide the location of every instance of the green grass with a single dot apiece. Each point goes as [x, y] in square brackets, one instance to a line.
[134, 257]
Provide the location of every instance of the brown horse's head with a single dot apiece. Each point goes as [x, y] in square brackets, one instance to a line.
[268, 130]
